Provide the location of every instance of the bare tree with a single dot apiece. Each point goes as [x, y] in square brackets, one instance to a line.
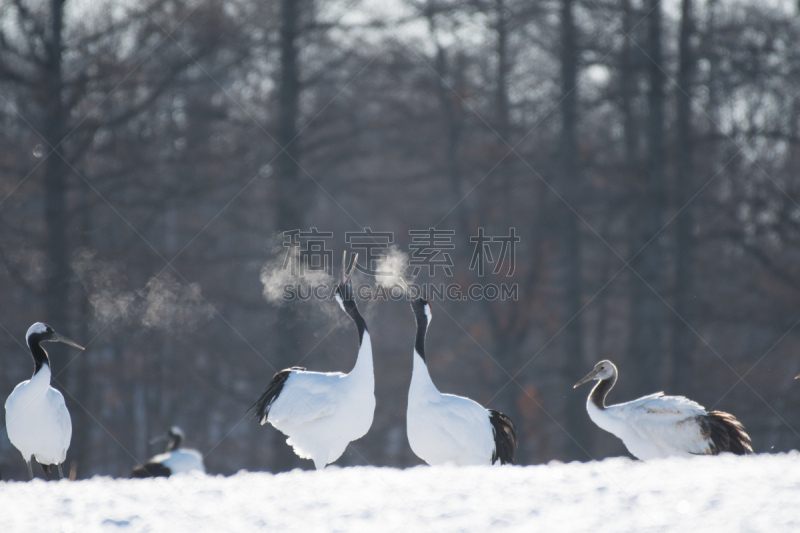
[682, 336]
[569, 234]
[647, 261]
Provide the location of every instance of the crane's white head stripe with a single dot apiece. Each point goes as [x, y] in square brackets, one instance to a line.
[39, 327]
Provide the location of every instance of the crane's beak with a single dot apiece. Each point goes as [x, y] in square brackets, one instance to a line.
[589, 377]
[61, 338]
[797, 377]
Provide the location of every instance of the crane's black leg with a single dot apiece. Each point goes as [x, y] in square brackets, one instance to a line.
[46, 470]
[60, 472]
[30, 468]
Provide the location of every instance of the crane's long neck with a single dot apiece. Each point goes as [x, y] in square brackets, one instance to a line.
[174, 442]
[364, 361]
[420, 377]
[600, 391]
[40, 358]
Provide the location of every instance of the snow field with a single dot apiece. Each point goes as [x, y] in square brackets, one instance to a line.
[725, 493]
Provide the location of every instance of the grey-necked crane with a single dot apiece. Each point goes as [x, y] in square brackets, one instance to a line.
[662, 426]
[322, 412]
[175, 460]
[445, 428]
[37, 419]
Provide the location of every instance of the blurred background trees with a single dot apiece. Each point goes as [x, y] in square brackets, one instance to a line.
[645, 152]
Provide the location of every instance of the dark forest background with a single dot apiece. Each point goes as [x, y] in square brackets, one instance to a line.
[152, 153]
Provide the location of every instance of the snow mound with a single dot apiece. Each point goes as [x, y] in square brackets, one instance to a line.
[754, 493]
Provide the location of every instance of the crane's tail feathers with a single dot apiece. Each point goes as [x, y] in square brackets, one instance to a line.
[505, 437]
[726, 433]
[262, 406]
[151, 470]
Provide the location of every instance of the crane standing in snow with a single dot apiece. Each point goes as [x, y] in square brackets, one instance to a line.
[175, 460]
[444, 428]
[662, 426]
[37, 419]
[322, 412]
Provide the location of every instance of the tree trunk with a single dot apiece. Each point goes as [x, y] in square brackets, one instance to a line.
[453, 126]
[628, 91]
[290, 200]
[57, 222]
[501, 91]
[508, 342]
[646, 306]
[501, 104]
[633, 166]
[55, 176]
[683, 338]
[569, 234]
[80, 372]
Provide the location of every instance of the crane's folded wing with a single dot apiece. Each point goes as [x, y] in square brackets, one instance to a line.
[307, 396]
[466, 422]
[671, 422]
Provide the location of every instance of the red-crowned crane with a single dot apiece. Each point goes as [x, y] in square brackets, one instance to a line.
[322, 412]
[37, 419]
[662, 426]
[175, 460]
[445, 428]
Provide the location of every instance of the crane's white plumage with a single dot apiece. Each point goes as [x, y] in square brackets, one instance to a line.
[662, 426]
[322, 412]
[37, 419]
[180, 461]
[175, 460]
[445, 428]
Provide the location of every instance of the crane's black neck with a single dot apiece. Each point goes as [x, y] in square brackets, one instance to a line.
[600, 391]
[40, 357]
[349, 303]
[175, 440]
[422, 327]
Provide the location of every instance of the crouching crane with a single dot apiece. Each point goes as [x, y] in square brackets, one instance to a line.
[662, 426]
[175, 460]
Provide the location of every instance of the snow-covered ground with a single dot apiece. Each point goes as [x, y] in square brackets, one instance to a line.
[726, 493]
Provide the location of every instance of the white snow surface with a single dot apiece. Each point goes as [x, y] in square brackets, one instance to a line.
[723, 493]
